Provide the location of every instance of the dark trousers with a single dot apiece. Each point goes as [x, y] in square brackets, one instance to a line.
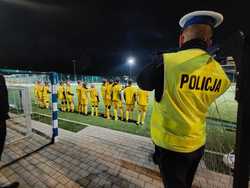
[178, 169]
[2, 136]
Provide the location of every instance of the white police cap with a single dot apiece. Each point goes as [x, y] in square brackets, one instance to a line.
[214, 19]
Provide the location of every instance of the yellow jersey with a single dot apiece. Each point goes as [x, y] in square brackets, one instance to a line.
[61, 92]
[116, 92]
[103, 90]
[130, 95]
[84, 95]
[192, 81]
[39, 91]
[46, 92]
[93, 95]
[108, 92]
[142, 97]
[69, 93]
[78, 92]
[36, 87]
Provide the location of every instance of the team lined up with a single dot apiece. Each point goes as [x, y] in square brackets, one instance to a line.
[114, 95]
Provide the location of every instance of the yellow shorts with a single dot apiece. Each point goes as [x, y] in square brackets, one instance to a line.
[94, 103]
[130, 107]
[84, 102]
[142, 108]
[108, 102]
[117, 104]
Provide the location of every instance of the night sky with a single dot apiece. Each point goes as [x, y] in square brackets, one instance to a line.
[46, 35]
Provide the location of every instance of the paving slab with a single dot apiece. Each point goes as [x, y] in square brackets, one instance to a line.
[95, 157]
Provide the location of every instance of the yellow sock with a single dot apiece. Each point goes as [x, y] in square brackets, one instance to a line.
[115, 114]
[138, 118]
[105, 111]
[108, 114]
[47, 105]
[68, 106]
[127, 115]
[72, 107]
[92, 111]
[143, 117]
[131, 115]
[79, 108]
[86, 110]
[96, 111]
[121, 111]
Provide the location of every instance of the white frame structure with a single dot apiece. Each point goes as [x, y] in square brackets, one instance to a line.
[27, 108]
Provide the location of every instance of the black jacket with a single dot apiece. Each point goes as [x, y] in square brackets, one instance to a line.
[4, 103]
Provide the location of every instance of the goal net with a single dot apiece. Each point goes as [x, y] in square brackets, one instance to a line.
[22, 138]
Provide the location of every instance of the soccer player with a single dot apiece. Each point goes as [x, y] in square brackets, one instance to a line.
[130, 98]
[84, 98]
[103, 92]
[108, 98]
[69, 97]
[40, 94]
[94, 98]
[117, 99]
[46, 95]
[78, 93]
[62, 96]
[142, 102]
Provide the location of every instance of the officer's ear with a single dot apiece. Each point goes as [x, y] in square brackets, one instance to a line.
[209, 43]
[181, 39]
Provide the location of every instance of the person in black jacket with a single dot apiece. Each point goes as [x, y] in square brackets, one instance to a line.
[4, 109]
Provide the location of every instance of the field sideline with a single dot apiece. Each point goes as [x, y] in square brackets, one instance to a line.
[217, 137]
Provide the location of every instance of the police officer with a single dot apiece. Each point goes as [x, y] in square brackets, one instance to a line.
[185, 83]
[3, 117]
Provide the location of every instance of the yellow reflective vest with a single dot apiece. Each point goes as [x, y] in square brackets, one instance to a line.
[192, 81]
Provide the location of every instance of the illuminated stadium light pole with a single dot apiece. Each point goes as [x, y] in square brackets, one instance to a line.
[131, 63]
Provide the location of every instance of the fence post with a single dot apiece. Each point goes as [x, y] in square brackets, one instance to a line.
[54, 81]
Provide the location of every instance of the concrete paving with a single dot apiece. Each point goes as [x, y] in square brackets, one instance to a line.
[95, 157]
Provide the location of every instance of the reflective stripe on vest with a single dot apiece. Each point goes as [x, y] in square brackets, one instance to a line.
[192, 81]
